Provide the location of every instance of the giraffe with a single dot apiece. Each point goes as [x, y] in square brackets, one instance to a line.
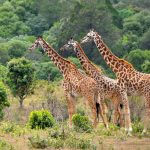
[131, 80]
[74, 83]
[108, 88]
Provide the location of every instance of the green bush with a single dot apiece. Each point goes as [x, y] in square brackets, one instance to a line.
[79, 142]
[40, 119]
[12, 128]
[3, 99]
[137, 127]
[38, 142]
[5, 146]
[81, 123]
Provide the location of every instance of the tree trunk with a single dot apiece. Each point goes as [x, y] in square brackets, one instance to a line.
[21, 103]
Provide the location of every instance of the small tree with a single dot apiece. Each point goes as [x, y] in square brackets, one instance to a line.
[3, 99]
[21, 78]
[3, 73]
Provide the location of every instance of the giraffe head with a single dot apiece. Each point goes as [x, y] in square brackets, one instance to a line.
[89, 37]
[35, 44]
[71, 43]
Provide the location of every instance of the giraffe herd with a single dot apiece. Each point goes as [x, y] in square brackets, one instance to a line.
[95, 87]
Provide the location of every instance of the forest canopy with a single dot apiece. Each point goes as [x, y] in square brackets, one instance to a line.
[124, 26]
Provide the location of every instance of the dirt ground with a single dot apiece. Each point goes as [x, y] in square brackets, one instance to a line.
[131, 143]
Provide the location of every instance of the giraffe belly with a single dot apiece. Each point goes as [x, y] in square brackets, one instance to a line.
[132, 92]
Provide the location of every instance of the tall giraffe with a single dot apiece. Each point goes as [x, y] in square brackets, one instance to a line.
[131, 80]
[74, 82]
[108, 88]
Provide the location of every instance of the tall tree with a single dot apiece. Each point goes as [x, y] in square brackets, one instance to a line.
[21, 78]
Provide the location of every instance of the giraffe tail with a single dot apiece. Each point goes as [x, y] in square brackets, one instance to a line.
[97, 110]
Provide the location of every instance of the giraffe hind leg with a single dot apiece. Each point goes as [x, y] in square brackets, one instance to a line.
[71, 107]
[147, 114]
[103, 111]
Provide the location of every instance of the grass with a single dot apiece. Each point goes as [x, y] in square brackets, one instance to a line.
[15, 134]
[5, 146]
[61, 137]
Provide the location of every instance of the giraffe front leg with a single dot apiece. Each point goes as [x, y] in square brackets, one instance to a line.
[71, 107]
[128, 126]
[116, 112]
[103, 113]
[92, 105]
[118, 116]
[147, 115]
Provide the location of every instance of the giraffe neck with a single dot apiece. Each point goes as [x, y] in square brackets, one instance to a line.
[117, 65]
[90, 68]
[60, 62]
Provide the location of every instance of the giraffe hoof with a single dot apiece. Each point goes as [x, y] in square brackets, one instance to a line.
[70, 126]
[128, 131]
[129, 134]
[106, 126]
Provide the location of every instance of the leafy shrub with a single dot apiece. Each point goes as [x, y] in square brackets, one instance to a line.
[14, 129]
[77, 142]
[81, 111]
[5, 146]
[81, 123]
[38, 142]
[3, 71]
[3, 99]
[41, 119]
[137, 127]
[56, 143]
[8, 127]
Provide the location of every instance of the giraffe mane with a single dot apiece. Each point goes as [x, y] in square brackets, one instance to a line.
[121, 60]
[68, 61]
[126, 63]
[98, 68]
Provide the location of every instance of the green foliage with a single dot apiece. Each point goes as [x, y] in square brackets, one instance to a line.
[37, 24]
[10, 23]
[123, 25]
[5, 146]
[40, 119]
[4, 57]
[3, 73]
[138, 23]
[47, 71]
[126, 12]
[21, 78]
[12, 128]
[145, 40]
[146, 67]
[38, 142]
[3, 99]
[75, 61]
[138, 58]
[79, 142]
[17, 48]
[14, 48]
[137, 127]
[81, 123]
